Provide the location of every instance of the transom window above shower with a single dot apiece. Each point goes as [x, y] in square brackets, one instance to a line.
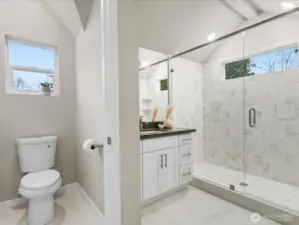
[31, 67]
[277, 60]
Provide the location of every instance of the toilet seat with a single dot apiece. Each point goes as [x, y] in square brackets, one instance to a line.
[40, 183]
[41, 179]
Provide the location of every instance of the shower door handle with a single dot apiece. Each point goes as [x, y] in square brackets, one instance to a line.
[252, 117]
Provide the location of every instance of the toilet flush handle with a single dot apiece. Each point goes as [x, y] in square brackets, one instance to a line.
[97, 146]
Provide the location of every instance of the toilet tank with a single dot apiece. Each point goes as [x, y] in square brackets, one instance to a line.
[36, 154]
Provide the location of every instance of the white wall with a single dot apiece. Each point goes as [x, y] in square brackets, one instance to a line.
[90, 106]
[271, 147]
[23, 116]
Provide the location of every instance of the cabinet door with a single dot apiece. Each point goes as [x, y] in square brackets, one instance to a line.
[168, 176]
[150, 175]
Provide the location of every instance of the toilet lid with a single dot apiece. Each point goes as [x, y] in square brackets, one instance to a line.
[40, 179]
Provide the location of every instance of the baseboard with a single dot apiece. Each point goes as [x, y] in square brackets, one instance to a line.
[164, 195]
[268, 210]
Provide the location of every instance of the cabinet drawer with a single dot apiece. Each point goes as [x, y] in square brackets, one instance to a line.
[159, 143]
[186, 173]
[185, 139]
[185, 154]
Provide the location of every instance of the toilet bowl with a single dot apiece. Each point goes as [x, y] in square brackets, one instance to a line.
[39, 188]
[36, 158]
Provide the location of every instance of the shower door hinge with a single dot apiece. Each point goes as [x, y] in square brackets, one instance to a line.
[232, 187]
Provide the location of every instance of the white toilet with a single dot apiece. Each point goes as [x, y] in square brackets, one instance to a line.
[36, 158]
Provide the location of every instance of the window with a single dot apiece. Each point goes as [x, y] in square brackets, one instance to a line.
[164, 85]
[28, 65]
[277, 60]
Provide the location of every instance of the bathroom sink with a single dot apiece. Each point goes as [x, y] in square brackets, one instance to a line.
[153, 131]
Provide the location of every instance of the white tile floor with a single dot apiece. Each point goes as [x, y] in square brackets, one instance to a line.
[195, 207]
[189, 207]
[72, 209]
[282, 195]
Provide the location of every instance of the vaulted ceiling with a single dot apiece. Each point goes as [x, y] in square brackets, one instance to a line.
[172, 26]
[72, 14]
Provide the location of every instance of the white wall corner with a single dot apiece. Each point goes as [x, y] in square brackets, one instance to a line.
[65, 13]
[84, 10]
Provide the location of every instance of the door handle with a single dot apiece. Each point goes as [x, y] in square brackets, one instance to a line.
[161, 164]
[252, 117]
[165, 160]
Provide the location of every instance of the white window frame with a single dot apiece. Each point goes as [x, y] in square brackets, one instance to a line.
[9, 87]
[269, 50]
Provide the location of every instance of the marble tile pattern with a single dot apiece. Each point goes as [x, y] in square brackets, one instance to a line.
[186, 97]
[194, 207]
[189, 207]
[270, 149]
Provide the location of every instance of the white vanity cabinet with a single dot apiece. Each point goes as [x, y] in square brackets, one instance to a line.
[150, 175]
[185, 156]
[166, 163]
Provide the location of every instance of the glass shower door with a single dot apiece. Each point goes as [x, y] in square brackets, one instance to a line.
[272, 112]
[223, 114]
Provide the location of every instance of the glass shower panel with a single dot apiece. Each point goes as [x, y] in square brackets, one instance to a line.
[215, 91]
[153, 91]
[272, 112]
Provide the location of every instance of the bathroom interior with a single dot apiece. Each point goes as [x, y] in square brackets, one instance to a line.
[240, 94]
[227, 71]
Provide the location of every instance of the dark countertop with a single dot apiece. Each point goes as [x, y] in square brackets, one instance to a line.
[174, 131]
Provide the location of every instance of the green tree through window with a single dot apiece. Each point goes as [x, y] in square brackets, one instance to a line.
[274, 61]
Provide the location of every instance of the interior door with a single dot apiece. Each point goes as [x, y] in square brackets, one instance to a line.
[168, 175]
[151, 167]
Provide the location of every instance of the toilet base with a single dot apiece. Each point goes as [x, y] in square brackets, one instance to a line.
[41, 210]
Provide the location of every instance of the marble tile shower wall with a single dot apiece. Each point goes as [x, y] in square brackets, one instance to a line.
[272, 147]
[187, 100]
[223, 133]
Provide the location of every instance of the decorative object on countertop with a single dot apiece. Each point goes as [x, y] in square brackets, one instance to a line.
[46, 87]
[168, 119]
[155, 114]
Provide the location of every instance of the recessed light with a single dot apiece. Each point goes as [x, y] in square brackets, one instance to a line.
[288, 5]
[211, 37]
[144, 64]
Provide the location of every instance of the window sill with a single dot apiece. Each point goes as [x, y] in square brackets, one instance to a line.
[32, 93]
